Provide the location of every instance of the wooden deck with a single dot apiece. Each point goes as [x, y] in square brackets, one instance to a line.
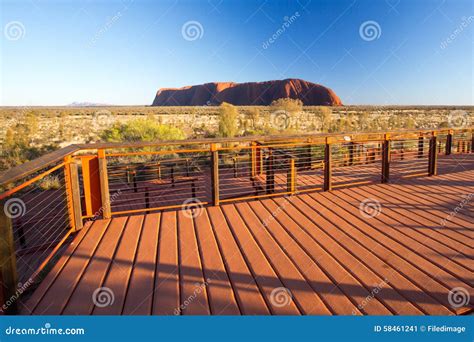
[313, 253]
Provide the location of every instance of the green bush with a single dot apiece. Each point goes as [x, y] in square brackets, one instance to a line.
[228, 115]
[141, 130]
[254, 115]
[287, 104]
[19, 145]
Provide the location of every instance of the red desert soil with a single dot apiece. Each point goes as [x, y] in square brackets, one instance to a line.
[247, 94]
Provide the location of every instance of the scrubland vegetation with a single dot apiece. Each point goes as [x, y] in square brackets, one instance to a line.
[28, 132]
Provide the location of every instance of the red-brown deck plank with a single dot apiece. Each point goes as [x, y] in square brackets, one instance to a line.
[333, 245]
[400, 227]
[194, 299]
[261, 268]
[301, 292]
[230, 259]
[379, 245]
[166, 294]
[119, 275]
[53, 274]
[81, 301]
[247, 293]
[221, 295]
[321, 283]
[57, 296]
[434, 225]
[140, 289]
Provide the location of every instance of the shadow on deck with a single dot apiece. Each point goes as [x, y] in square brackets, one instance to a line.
[400, 248]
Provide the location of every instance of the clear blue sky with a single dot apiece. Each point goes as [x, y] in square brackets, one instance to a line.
[121, 52]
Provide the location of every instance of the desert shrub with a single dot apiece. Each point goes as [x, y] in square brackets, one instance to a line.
[228, 115]
[287, 104]
[325, 116]
[141, 130]
[254, 115]
[18, 146]
[49, 183]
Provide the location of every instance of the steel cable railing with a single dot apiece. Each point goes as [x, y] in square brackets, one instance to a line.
[56, 194]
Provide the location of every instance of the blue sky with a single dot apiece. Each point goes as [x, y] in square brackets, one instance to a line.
[121, 52]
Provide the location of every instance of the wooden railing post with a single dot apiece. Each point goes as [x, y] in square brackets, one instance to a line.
[421, 145]
[351, 153]
[291, 177]
[449, 142]
[308, 158]
[234, 166]
[270, 173]
[73, 193]
[386, 159]
[8, 270]
[472, 141]
[327, 166]
[104, 184]
[253, 159]
[215, 174]
[433, 156]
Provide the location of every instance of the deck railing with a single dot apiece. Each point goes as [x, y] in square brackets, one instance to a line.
[48, 200]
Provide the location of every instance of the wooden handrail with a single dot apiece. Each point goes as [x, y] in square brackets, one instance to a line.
[28, 168]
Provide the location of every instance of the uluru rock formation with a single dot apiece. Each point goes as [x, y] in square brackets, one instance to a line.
[247, 94]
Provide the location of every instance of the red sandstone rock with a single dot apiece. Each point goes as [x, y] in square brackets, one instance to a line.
[247, 94]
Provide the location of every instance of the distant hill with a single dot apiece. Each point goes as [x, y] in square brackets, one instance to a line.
[86, 104]
[247, 94]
